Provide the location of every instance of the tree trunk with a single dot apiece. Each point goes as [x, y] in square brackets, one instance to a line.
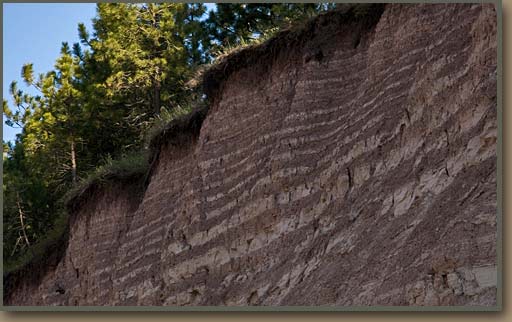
[73, 161]
[22, 223]
[156, 97]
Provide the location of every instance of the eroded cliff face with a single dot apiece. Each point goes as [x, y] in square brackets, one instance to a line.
[358, 169]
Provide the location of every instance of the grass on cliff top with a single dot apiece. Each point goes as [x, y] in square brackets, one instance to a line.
[176, 128]
[129, 167]
[161, 122]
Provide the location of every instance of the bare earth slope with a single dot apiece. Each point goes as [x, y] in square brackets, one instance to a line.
[357, 167]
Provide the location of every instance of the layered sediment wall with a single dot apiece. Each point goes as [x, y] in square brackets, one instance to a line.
[355, 166]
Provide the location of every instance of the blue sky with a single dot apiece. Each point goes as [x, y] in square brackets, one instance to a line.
[33, 33]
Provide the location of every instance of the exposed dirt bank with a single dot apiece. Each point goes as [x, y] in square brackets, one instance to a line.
[355, 166]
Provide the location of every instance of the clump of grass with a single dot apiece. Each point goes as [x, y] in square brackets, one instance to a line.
[229, 49]
[130, 166]
[165, 117]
